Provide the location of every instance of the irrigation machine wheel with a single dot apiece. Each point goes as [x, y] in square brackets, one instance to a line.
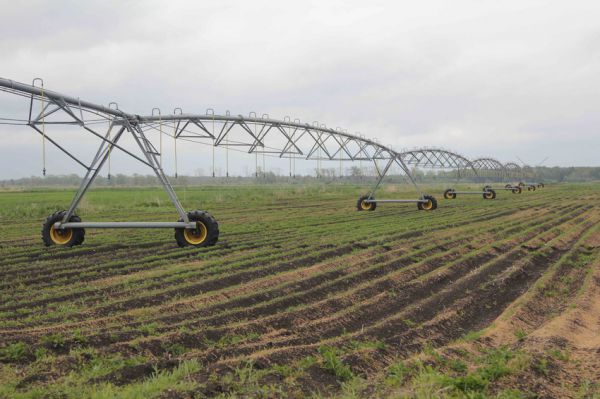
[517, 190]
[430, 205]
[61, 237]
[489, 194]
[508, 185]
[540, 185]
[449, 194]
[363, 205]
[530, 188]
[205, 234]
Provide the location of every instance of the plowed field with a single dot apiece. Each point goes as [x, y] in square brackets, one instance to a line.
[303, 295]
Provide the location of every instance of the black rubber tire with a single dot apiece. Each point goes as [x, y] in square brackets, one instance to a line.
[530, 188]
[540, 185]
[521, 184]
[508, 186]
[449, 194]
[361, 207]
[77, 237]
[212, 227]
[433, 203]
[517, 190]
[489, 194]
[487, 188]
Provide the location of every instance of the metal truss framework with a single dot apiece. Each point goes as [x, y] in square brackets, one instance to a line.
[260, 135]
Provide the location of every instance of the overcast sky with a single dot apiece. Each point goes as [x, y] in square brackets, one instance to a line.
[501, 78]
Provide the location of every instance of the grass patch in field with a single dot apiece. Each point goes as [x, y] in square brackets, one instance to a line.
[54, 341]
[76, 387]
[228, 340]
[149, 329]
[14, 352]
[331, 361]
[440, 376]
[358, 345]
[520, 334]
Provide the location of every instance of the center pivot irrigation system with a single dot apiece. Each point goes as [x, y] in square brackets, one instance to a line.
[254, 135]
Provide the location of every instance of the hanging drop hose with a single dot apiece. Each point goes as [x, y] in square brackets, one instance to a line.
[175, 136]
[160, 144]
[213, 146]
[108, 137]
[292, 139]
[210, 111]
[226, 157]
[43, 135]
[264, 169]
[109, 148]
[43, 123]
[160, 137]
[175, 146]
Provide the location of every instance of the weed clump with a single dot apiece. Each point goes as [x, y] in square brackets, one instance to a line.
[334, 364]
[14, 352]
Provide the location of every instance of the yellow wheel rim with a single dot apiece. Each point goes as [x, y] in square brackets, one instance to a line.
[365, 206]
[427, 205]
[488, 195]
[60, 236]
[196, 236]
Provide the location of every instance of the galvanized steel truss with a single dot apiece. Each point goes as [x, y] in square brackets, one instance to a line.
[261, 135]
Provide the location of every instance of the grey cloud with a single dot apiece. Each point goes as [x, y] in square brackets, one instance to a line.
[498, 78]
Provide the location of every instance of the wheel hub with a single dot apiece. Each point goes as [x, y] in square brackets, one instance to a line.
[196, 236]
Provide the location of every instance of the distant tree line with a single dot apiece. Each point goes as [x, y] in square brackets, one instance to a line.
[353, 174]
